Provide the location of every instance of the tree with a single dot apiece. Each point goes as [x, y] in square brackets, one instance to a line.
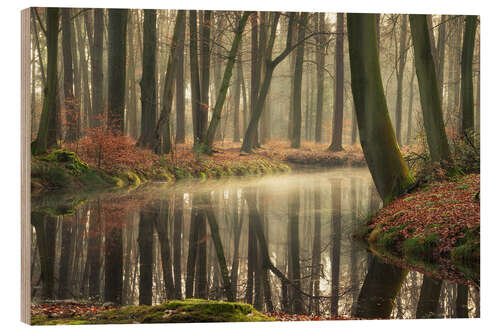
[180, 132]
[97, 66]
[148, 81]
[320, 59]
[221, 96]
[162, 128]
[297, 85]
[117, 34]
[401, 60]
[466, 86]
[430, 99]
[389, 171]
[195, 79]
[338, 112]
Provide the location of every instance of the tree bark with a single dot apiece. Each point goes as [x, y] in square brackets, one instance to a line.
[180, 118]
[400, 76]
[338, 112]
[47, 131]
[429, 90]
[117, 50]
[384, 159]
[467, 87]
[148, 81]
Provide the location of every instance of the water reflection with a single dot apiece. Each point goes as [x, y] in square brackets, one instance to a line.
[281, 243]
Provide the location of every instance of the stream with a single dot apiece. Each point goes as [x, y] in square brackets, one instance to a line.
[160, 242]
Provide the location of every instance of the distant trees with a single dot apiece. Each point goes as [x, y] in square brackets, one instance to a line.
[117, 34]
[382, 154]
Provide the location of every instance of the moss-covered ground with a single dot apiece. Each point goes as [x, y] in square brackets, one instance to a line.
[185, 311]
[63, 170]
[436, 225]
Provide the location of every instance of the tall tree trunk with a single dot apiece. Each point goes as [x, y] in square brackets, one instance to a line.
[236, 93]
[97, 75]
[162, 129]
[148, 81]
[338, 112]
[84, 73]
[467, 87]
[117, 50]
[195, 79]
[69, 95]
[429, 90]
[409, 136]
[384, 159]
[400, 76]
[47, 131]
[297, 85]
[180, 121]
[441, 45]
[205, 28]
[320, 59]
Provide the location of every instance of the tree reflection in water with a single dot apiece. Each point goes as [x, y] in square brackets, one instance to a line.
[281, 243]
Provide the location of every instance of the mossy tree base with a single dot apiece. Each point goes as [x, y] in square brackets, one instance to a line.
[186, 311]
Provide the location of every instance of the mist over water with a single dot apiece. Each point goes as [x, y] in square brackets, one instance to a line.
[156, 243]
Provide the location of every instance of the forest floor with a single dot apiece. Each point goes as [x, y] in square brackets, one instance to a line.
[435, 227]
[191, 310]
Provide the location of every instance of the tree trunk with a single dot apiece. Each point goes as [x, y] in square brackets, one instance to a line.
[320, 59]
[221, 96]
[428, 302]
[195, 79]
[148, 81]
[69, 95]
[97, 75]
[378, 141]
[162, 128]
[293, 223]
[236, 92]
[117, 49]
[297, 86]
[429, 90]
[47, 131]
[409, 136]
[180, 121]
[467, 87]
[400, 76]
[338, 112]
[148, 218]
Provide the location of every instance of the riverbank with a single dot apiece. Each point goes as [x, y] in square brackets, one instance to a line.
[64, 170]
[435, 225]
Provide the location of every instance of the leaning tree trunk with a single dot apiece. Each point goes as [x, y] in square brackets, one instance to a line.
[221, 96]
[162, 128]
[117, 36]
[467, 88]
[47, 131]
[430, 99]
[384, 159]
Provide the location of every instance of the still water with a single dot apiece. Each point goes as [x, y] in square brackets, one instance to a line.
[283, 243]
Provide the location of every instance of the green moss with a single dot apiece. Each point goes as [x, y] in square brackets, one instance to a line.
[190, 310]
[420, 246]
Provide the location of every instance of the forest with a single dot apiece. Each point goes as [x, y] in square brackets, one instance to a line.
[202, 165]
